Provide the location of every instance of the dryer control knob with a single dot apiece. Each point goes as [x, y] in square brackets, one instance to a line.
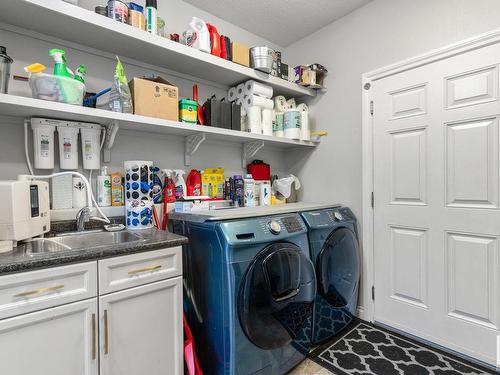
[274, 227]
[338, 216]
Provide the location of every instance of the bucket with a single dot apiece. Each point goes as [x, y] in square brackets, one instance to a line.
[262, 58]
[188, 111]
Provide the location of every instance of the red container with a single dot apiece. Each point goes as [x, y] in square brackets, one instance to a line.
[193, 183]
[259, 170]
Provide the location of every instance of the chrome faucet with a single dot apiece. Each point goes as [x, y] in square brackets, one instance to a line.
[82, 217]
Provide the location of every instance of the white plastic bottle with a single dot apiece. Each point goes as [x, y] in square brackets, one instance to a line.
[180, 184]
[203, 36]
[249, 191]
[104, 188]
[265, 193]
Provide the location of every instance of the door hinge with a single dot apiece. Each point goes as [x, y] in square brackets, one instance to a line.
[373, 292]
[373, 200]
[371, 107]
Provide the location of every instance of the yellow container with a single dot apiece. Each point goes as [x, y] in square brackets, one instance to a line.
[212, 180]
[116, 189]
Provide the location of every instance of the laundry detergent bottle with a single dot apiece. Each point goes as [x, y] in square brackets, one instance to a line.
[180, 184]
[193, 183]
[203, 36]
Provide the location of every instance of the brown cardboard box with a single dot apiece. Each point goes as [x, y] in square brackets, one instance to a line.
[155, 97]
[241, 53]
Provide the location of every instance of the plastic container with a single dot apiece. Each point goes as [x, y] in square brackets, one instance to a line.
[43, 143]
[91, 147]
[249, 191]
[262, 58]
[151, 15]
[68, 146]
[56, 89]
[193, 183]
[118, 11]
[136, 16]
[188, 111]
[104, 188]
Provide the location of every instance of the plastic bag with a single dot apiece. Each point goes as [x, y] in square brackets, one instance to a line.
[120, 98]
[283, 186]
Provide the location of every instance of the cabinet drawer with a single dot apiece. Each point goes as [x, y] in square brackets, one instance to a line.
[30, 291]
[138, 269]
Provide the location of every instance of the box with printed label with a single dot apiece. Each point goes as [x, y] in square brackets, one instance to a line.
[155, 97]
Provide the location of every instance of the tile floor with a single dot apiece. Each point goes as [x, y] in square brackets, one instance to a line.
[308, 367]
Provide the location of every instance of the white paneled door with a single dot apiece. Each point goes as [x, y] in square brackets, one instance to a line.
[436, 208]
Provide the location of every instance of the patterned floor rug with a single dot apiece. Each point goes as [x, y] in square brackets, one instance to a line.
[366, 349]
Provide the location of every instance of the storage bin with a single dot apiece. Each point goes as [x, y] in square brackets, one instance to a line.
[56, 89]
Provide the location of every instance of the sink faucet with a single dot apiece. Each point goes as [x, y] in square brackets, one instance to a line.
[82, 217]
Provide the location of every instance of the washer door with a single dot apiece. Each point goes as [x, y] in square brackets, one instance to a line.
[276, 295]
[338, 268]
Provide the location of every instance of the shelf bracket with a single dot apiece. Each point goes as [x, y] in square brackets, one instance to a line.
[249, 151]
[191, 145]
[111, 130]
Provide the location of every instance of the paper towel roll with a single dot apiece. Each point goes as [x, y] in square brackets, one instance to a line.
[254, 120]
[292, 120]
[267, 121]
[138, 194]
[256, 88]
[291, 103]
[231, 94]
[305, 130]
[258, 101]
[303, 107]
[240, 90]
[280, 103]
[278, 124]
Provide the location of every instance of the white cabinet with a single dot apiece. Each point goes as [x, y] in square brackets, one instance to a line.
[141, 330]
[57, 341]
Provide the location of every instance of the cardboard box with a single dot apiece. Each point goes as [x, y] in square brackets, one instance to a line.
[240, 53]
[155, 97]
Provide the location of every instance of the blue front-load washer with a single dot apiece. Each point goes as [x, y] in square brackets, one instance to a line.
[249, 293]
[333, 241]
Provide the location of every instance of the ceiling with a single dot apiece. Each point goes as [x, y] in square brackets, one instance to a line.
[280, 21]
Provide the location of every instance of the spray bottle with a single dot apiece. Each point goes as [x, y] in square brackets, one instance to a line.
[80, 73]
[120, 98]
[168, 186]
[60, 67]
[180, 184]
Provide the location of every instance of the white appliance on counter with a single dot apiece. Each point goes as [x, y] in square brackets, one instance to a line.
[24, 211]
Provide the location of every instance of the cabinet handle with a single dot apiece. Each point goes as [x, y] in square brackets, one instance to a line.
[145, 269]
[106, 337]
[93, 338]
[39, 291]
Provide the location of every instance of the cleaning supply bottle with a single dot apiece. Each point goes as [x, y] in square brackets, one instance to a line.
[239, 191]
[193, 183]
[104, 188]
[202, 41]
[151, 14]
[215, 44]
[249, 191]
[60, 67]
[80, 73]
[120, 98]
[168, 187]
[180, 184]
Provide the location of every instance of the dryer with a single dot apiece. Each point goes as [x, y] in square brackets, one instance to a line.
[333, 242]
[249, 293]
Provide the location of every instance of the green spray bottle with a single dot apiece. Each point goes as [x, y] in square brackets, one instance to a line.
[60, 68]
[80, 73]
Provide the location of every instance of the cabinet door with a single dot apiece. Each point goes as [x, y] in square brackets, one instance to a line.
[57, 341]
[141, 330]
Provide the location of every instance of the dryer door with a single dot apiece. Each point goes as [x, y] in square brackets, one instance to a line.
[338, 269]
[276, 295]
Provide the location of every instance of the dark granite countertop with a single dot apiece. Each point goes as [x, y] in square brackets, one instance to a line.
[151, 239]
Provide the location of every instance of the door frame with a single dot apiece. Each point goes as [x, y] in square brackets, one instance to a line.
[368, 212]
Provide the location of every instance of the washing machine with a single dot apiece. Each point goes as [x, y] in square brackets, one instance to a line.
[333, 242]
[249, 289]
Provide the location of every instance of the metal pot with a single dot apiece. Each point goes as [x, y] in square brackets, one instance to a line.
[5, 62]
[262, 58]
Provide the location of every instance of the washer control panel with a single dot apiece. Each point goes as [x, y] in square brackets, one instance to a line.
[292, 224]
[274, 227]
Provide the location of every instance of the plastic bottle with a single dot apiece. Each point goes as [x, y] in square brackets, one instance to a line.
[227, 189]
[239, 191]
[104, 188]
[80, 73]
[60, 68]
[193, 183]
[151, 14]
[169, 187]
[203, 36]
[120, 99]
[180, 184]
[249, 191]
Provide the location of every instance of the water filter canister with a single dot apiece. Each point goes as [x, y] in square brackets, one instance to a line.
[91, 146]
[68, 146]
[43, 143]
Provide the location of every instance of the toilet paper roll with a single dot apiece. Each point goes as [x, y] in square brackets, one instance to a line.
[303, 107]
[267, 121]
[278, 124]
[292, 123]
[291, 104]
[258, 101]
[305, 131]
[254, 120]
[280, 104]
[240, 90]
[138, 194]
[256, 88]
[231, 94]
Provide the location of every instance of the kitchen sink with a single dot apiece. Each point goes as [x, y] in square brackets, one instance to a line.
[80, 240]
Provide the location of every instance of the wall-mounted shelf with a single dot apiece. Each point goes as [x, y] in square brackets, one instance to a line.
[19, 106]
[79, 25]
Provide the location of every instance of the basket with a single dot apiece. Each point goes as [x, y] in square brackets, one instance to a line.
[56, 89]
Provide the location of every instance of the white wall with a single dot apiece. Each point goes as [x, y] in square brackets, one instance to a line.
[26, 48]
[378, 34]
